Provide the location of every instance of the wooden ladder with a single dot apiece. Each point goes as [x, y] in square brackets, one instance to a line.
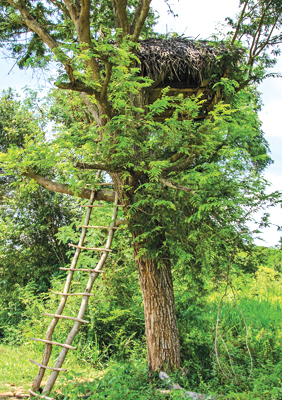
[78, 321]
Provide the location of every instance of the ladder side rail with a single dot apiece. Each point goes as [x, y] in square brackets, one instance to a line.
[93, 276]
[53, 323]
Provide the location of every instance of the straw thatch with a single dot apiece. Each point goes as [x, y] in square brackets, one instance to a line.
[184, 60]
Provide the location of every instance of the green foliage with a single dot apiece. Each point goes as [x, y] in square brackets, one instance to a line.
[115, 311]
[119, 350]
[121, 381]
[255, 301]
[31, 52]
[30, 252]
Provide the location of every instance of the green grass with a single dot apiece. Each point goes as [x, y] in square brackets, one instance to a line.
[118, 380]
[17, 372]
[15, 369]
[115, 365]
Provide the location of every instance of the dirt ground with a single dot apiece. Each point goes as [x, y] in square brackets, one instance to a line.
[14, 392]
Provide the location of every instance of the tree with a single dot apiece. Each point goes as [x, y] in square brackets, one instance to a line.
[29, 218]
[191, 167]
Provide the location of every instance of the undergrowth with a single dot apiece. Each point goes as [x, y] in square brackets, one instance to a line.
[246, 365]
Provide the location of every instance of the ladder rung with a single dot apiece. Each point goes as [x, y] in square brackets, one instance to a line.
[65, 317]
[74, 294]
[89, 248]
[93, 205]
[67, 346]
[39, 395]
[83, 269]
[45, 366]
[97, 227]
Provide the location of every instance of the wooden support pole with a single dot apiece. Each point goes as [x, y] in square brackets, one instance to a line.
[55, 343]
[89, 248]
[65, 317]
[45, 366]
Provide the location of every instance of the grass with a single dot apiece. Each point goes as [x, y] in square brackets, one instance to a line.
[119, 359]
[118, 380]
[17, 372]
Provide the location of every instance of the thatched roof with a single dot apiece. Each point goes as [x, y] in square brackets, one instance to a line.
[182, 58]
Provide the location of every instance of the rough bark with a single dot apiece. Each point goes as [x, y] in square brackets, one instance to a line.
[163, 348]
[104, 195]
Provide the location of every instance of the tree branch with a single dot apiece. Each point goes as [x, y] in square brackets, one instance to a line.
[141, 20]
[72, 9]
[239, 23]
[107, 80]
[259, 50]
[62, 7]
[77, 87]
[44, 35]
[181, 165]
[176, 186]
[122, 16]
[136, 17]
[94, 112]
[105, 195]
[83, 165]
[255, 38]
[176, 157]
[116, 17]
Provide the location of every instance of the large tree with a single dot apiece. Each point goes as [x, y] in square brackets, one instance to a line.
[169, 172]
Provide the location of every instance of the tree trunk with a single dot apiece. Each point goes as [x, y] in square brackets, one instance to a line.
[163, 348]
[155, 279]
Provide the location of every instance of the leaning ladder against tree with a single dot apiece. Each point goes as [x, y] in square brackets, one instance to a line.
[94, 273]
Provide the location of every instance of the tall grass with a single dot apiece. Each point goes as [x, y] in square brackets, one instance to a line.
[246, 364]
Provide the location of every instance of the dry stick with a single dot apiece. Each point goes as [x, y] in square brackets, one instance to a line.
[229, 356]
[247, 333]
[49, 334]
[41, 397]
[83, 306]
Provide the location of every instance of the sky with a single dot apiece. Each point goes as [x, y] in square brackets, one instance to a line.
[198, 19]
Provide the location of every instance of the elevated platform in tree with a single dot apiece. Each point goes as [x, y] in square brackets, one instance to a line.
[189, 67]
